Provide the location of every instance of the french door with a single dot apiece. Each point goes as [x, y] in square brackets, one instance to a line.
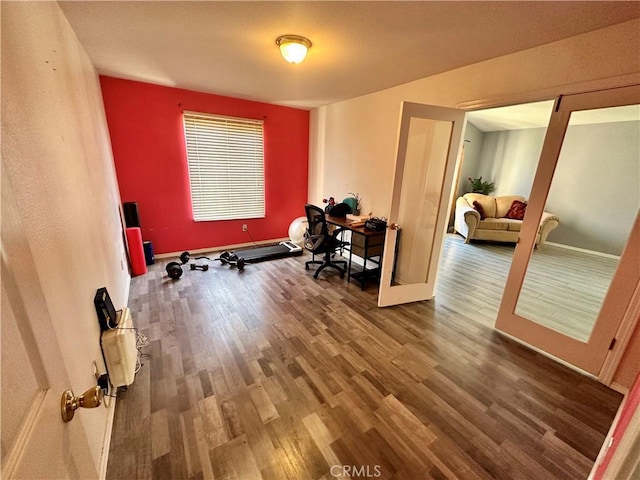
[428, 145]
[573, 312]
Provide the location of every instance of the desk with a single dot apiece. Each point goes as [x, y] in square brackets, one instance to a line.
[366, 244]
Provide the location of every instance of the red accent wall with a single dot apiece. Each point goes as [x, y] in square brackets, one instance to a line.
[147, 138]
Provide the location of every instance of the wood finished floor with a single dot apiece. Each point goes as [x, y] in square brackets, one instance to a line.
[270, 374]
[563, 289]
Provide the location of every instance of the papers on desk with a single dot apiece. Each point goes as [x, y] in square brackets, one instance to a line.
[357, 224]
[357, 218]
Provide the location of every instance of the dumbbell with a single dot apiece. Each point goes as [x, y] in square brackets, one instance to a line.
[225, 257]
[240, 263]
[174, 269]
[231, 259]
[204, 268]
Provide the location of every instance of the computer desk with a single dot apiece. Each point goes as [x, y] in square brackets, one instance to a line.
[365, 243]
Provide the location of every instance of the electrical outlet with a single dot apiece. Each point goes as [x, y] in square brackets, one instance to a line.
[245, 227]
[103, 382]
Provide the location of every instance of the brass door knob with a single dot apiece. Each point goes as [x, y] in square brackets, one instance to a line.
[70, 403]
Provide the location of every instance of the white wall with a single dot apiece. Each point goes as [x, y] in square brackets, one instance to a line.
[595, 190]
[510, 159]
[473, 148]
[596, 186]
[354, 142]
[56, 157]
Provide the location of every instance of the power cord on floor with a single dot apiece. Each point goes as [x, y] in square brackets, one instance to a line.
[254, 242]
[141, 342]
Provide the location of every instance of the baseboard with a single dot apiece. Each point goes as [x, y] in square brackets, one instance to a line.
[127, 290]
[619, 388]
[223, 248]
[583, 250]
[106, 442]
[548, 355]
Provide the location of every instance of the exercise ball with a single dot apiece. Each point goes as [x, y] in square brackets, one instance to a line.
[297, 229]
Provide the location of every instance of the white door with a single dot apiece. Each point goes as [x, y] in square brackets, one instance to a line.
[36, 443]
[571, 306]
[428, 145]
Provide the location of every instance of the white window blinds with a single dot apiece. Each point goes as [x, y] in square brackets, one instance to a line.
[226, 166]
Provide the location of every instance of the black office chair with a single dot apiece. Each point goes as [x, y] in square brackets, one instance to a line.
[318, 240]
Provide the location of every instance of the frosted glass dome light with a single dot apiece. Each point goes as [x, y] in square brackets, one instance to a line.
[293, 47]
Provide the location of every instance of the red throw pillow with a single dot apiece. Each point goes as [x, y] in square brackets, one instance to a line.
[516, 211]
[478, 208]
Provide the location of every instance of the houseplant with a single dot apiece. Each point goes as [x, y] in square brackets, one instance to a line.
[358, 203]
[479, 186]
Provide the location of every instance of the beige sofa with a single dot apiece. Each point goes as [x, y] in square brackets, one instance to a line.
[495, 226]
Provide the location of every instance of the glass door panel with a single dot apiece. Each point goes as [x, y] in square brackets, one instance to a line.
[428, 145]
[595, 193]
[419, 200]
[569, 296]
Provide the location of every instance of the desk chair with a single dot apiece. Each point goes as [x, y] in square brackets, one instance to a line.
[318, 240]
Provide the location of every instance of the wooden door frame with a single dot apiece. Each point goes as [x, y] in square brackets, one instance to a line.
[580, 354]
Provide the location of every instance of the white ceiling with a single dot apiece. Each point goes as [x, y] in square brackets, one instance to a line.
[359, 47]
[513, 117]
[537, 114]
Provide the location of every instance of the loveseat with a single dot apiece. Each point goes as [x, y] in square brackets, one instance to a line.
[484, 217]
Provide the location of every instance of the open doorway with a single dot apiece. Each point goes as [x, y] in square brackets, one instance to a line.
[501, 149]
[592, 187]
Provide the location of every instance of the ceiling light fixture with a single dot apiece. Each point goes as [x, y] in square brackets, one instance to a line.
[293, 47]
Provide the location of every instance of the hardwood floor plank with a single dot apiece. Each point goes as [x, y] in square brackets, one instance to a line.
[190, 444]
[177, 454]
[318, 430]
[265, 407]
[258, 438]
[234, 461]
[162, 468]
[526, 465]
[214, 429]
[159, 434]
[231, 419]
[202, 448]
[125, 461]
[569, 459]
[299, 455]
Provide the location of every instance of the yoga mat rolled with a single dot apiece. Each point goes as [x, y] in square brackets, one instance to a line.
[136, 251]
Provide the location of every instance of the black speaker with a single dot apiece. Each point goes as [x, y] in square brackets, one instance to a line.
[105, 309]
[131, 218]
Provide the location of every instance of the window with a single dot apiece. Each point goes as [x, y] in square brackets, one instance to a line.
[226, 166]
